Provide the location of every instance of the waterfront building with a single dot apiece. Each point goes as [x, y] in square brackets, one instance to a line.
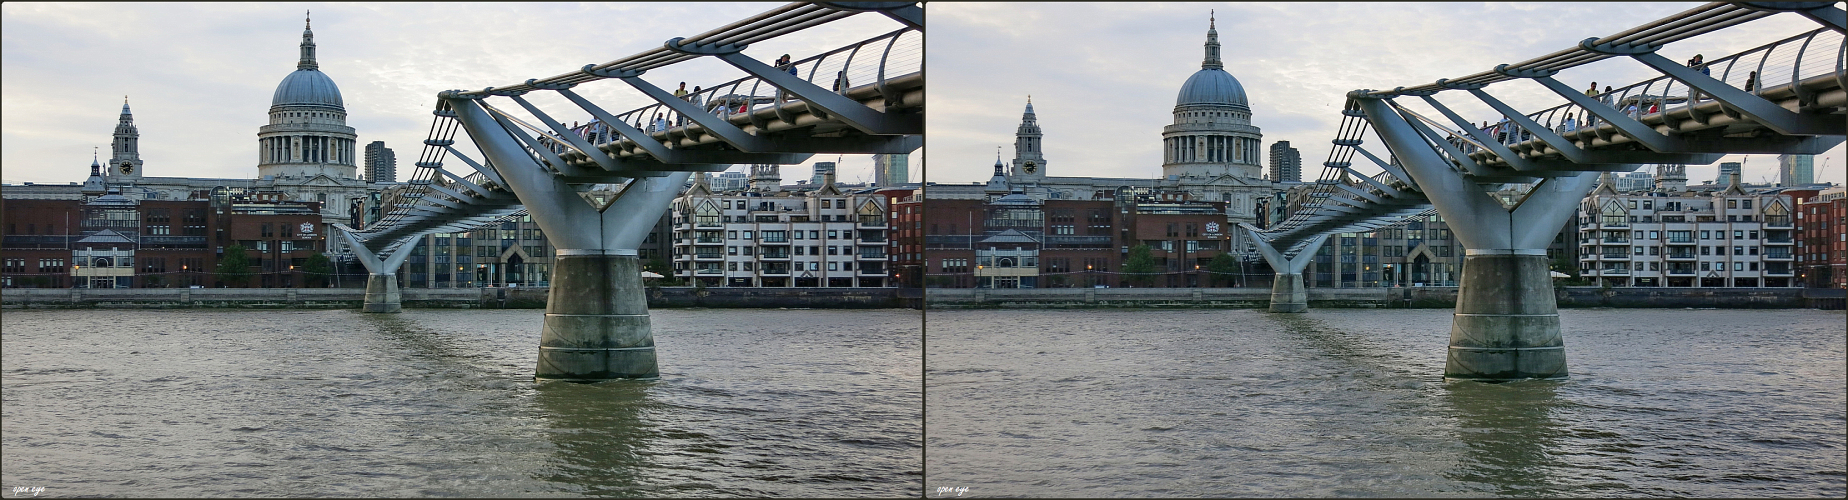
[819, 237]
[381, 163]
[1286, 163]
[906, 253]
[107, 240]
[1729, 237]
[1796, 170]
[1634, 181]
[1822, 246]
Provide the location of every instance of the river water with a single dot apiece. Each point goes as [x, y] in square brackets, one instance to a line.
[1240, 403]
[442, 403]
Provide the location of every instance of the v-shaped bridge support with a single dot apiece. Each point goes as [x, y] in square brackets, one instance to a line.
[1288, 294]
[382, 295]
[1506, 324]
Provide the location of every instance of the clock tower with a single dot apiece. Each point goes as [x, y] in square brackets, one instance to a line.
[1029, 164]
[124, 153]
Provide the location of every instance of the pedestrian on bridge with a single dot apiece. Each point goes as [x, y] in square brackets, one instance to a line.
[1593, 91]
[1751, 81]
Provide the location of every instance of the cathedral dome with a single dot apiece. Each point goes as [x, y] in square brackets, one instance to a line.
[1212, 86]
[312, 87]
[307, 85]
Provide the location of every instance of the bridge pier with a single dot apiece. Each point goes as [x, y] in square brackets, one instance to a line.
[596, 320]
[382, 294]
[1288, 294]
[1506, 324]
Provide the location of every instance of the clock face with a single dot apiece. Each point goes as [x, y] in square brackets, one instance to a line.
[128, 168]
[1030, 167]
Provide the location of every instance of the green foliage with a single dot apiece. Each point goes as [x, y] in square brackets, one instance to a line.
[1139, 268]
[316, 270]
[1224, 269]
[234, 267]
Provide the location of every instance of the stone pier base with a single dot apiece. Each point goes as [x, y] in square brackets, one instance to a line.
[596, 321]
[1507, 321]
[1288, 294]
[382, 294]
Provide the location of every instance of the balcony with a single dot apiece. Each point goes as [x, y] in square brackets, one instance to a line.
[1777, 221]
[708, 256]
[1680, 241]
[709, 272]
[1614, 272]
[1681, 255]
[1773, 254]
[708, 240]
[1779, 241]
[1616, 255]
[1616, 239]
[1681, 272]
[767, 254]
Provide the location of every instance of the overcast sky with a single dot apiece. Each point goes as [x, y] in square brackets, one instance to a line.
[200, 76]
[1103, 76]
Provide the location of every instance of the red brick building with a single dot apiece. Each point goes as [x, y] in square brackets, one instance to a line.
[112, 241]
[1822, 232]
[1018, 241]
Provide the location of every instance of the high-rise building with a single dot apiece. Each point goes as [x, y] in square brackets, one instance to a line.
[381, 163]
[890, 169]
[822, 170]
[1727, 170]
[1796, 170]
[1286, 163]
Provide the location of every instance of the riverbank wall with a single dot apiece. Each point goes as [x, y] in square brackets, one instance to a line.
[1397, 298]
[445, 298]
[935, 298]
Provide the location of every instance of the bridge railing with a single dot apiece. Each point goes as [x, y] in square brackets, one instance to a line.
[869, 63]
[1775, 65]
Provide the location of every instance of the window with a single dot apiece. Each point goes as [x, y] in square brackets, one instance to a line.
[833, 266]
[1706, 266]
[814, 266]
[1752, 266]
[731, 250]
[1745, 204]
[833, 235]
[748, 250]
[731, 266]
[1753, 235]
[1706, 250]
[731, 235]
[1738, 266]
[1637, 250]
[1655, 235]
[1732, 203]
[797, 234]
[747, 235]
[1738, 250]
[833, 250]
[1706, 235]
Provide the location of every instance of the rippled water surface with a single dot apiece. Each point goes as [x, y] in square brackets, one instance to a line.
[442, 403]
[1698, 403]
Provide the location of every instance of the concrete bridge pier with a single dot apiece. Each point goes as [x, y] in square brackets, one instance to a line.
[1506, 324]
[1288, 295]
[382, 294]
[596, 319]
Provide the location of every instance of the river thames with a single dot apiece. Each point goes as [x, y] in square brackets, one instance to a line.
[1352, 403]
[215, 403]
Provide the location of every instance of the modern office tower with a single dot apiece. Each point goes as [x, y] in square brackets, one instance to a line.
[890, 169]
[381, 163]
[822, 169]
[1796, 170]
[1286, 163]
[1727, 171]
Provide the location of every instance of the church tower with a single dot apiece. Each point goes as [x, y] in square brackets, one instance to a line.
[1029, 164]
[125, 150]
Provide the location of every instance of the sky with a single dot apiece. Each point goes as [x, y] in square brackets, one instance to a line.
[1103, 76]
[199, 76]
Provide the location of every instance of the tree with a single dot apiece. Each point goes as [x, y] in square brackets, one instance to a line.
[234, 267]
[316, 270]
[1139, 268]
[1225, 269]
